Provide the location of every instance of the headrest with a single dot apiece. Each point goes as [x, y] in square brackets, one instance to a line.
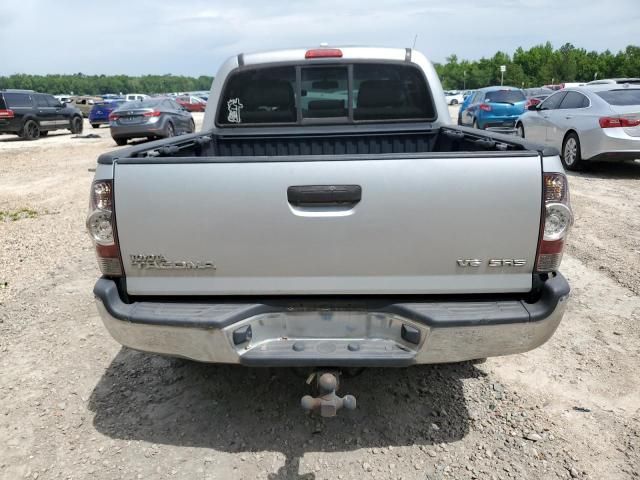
[380, 93]
[271, 93]
[326, 104]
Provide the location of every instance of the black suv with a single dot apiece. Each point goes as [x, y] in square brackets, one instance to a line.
[32, 115]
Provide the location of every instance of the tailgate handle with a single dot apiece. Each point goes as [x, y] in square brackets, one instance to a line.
[324, 195]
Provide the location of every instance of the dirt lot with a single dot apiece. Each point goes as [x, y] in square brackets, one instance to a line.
[74, 405]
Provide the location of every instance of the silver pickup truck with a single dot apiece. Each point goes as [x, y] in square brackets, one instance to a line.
[329, 215]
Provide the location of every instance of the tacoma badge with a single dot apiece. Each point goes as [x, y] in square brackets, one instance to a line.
[161, 263]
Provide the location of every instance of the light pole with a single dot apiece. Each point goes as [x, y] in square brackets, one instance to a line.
[464, 80]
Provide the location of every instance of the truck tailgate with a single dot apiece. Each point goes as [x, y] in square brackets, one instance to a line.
[418, 228]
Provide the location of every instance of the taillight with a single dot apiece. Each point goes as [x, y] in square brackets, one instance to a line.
[614, 122]
[101, 226]
[324, 53]
[6, 113]
[155, 113]
[486, 107]
[556, 222]
[113, 116]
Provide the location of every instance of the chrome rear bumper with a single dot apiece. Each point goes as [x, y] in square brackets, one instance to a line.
[336, 332]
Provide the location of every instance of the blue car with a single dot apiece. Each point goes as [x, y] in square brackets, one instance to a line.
[493, 108]
[464, 105]
[100, 112]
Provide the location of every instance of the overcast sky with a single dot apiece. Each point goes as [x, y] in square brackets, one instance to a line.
[192, 37]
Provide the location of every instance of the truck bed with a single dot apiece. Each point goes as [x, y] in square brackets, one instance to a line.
[444, 140]
[426, 201]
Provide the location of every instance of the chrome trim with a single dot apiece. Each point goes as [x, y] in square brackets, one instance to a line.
[468, 343]
[438, 344]
[337, 327]
[205, 345]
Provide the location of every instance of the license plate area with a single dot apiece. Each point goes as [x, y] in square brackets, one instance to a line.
[131, 119]
[325, 334]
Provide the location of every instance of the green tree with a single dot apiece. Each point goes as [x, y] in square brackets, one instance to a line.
[539, 65]
[81, 84]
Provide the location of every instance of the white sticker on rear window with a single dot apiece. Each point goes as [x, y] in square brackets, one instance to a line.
[234, 107]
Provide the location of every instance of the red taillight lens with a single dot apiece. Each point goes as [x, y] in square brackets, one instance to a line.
[6, 113]
[101, 226]
[324, 53]
[556, 222]
[155, 113]
[486, 107]
[113, 116]
[613, 122]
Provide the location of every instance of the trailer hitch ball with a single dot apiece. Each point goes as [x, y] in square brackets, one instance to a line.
[327, 403]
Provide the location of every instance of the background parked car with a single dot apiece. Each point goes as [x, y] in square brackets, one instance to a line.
[536, 95]
[599, 122]
[151, 118]
[85, 104]
[100, 112]
[465, 105]
[32, 115]
[534, 92]
[64, 98]
[192, 103]
[453, 97]
[203, 94]
[572, 84]
[495, 108]
[605, 81]
[532, 101]
[133, 97]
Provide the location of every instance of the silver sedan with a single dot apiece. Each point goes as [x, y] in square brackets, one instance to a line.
[599, 122]
[152, 118]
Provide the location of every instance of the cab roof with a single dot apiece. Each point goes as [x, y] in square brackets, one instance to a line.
[348, 53]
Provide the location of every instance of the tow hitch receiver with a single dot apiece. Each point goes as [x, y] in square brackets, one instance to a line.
[327, 403]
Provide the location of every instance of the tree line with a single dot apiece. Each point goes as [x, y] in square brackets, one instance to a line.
[540, 65]
[81, 84]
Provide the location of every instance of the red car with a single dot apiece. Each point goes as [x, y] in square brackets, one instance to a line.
[193, 104]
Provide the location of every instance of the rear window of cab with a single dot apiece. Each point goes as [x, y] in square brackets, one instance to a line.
[317, 94]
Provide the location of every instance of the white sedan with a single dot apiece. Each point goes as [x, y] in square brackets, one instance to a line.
[454, 98]
[599, 122]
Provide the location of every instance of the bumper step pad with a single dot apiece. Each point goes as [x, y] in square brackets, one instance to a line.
[327, 353]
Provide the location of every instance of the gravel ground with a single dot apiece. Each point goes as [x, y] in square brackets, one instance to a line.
[75, 405]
